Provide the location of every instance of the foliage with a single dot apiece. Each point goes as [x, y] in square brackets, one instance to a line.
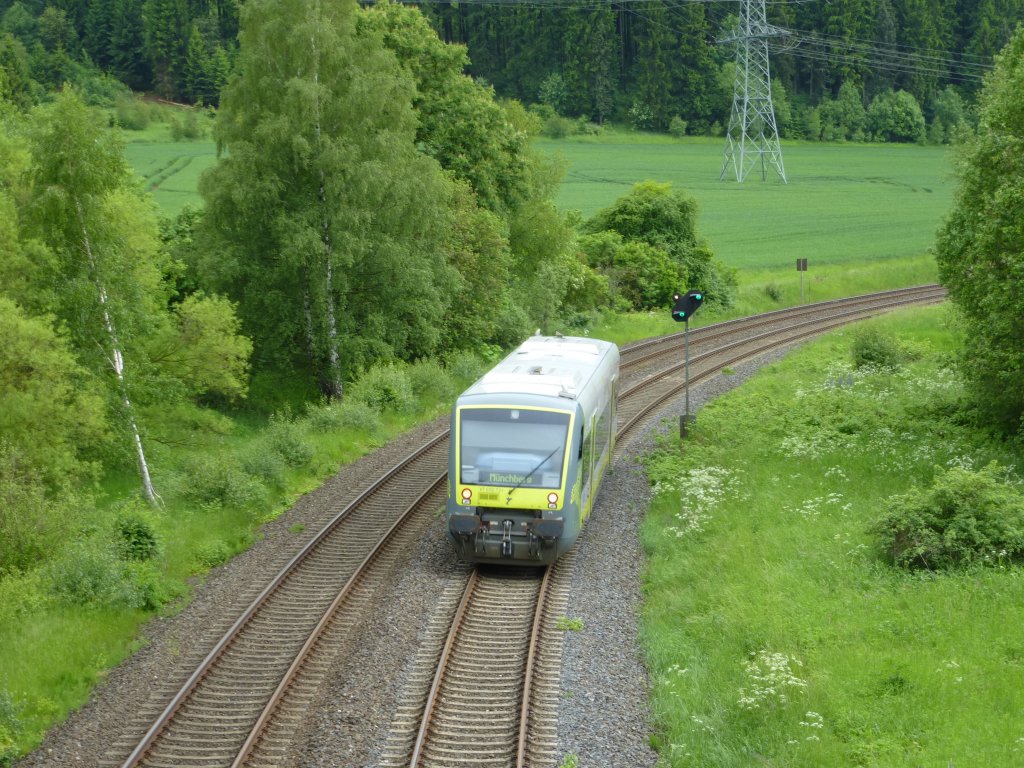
[844, 117]
[872, 347]
[661, 218]
[896, 117]
[136, 533]
[34, 519]
[385, 387]
[89, 573]
[964, 518]
[50, 414]
[677, 127]
[980, 248]
[308, 209]
[286, 437]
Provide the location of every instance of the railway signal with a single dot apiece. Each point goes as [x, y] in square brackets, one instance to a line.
[685, 304]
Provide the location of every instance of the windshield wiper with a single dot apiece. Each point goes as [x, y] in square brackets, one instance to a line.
[527, 475]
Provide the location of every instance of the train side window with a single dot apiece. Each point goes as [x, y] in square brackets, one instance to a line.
[582, 441]
[587, 456]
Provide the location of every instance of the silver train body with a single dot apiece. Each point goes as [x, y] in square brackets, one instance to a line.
[530, 442]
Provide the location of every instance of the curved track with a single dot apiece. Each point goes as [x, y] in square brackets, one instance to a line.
[241, 705]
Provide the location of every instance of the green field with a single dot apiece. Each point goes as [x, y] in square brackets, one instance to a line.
[170, 169]
[843, 202]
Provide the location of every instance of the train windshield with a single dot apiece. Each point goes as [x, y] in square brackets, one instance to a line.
[512, 447]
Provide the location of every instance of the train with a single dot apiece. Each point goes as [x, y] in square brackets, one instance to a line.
[530, 443]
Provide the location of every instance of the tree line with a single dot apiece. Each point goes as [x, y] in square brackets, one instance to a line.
[648, 64]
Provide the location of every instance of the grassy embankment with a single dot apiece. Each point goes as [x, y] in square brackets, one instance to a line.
[251, 472]
[806, 648]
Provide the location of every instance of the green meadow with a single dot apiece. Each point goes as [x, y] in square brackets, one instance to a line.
[170, 169]
[808, 648]
[843, 202]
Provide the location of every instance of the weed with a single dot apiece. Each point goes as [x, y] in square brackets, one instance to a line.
[565, 624]
[570, 760]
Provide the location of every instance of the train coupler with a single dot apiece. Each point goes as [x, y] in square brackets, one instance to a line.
[506, 538]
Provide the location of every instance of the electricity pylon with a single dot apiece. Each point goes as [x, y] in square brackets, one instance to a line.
[753, 137]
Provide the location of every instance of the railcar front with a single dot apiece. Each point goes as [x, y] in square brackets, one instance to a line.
[514, 459]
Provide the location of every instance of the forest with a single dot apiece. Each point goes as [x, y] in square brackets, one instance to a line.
[901, 70]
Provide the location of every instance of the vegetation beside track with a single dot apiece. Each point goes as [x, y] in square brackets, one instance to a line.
[807, 647]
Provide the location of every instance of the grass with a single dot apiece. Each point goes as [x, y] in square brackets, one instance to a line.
[170, 169]
[807, 649]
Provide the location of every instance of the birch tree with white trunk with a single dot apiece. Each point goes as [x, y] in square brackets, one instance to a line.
[85, 207]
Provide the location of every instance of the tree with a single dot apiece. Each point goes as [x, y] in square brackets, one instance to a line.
[980, 247]
[896, 117]
[50, 414]
[323, 220]
[655, 214]
[85, 209]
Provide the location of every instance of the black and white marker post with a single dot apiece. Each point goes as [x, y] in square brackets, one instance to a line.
[685, 304]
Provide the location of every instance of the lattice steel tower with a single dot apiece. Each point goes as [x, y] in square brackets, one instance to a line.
[753, 137]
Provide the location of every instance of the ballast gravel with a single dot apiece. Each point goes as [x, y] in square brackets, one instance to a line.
[604, 719]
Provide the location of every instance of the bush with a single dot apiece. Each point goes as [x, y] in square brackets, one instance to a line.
[557, 127]
[213, 553]
[285, 436]
[187, 128]
[131, 114]
[357, 415]
[464, 366]
[385, 387]
[965, 518]
[872, 348]
[89, 573]
[136, 535]
[220, 480]
[430, 380]
[677, 127]
[261, 461]
[773, 292]
[10, 725]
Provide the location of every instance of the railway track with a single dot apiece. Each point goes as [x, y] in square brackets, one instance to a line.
[242, 704]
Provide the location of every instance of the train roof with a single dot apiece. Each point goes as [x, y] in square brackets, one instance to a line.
[553, 366]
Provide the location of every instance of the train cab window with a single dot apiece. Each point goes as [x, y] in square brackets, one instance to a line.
[512, 446]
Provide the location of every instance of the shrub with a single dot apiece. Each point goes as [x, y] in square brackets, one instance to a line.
[220, 480]
[285, 436]
[89, 573]
[429, 379]
[357, 415]
[324, 416]
[464, 366]
[131, 114]
[136, 535]
[261, 461]
[557, 127]
[10, 725]
[187, 128]
[773, 292]
[873, 348]
[385, 387]
[212, 553]
[677, 127]
[965, 518]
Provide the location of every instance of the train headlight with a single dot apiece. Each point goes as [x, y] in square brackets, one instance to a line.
[552, 500]
[467, 494]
